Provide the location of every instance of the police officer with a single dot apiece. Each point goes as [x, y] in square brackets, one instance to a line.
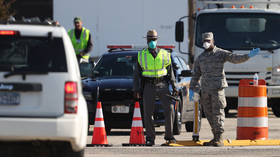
[209, 70]
[81, 40]
[153, 75]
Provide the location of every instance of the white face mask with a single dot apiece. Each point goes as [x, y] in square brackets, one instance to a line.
[206, 45]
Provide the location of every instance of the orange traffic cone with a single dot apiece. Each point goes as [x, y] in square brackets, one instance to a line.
[99, 137]
[137, 133]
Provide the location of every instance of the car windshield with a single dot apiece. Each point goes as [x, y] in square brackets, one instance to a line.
[240, 31]
[86, 69]
[32, 54]
[115, 65]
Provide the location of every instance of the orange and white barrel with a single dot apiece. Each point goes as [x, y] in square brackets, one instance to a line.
[252, 119]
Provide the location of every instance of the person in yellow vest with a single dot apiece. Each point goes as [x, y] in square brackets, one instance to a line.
[81, 40]
[153, 75]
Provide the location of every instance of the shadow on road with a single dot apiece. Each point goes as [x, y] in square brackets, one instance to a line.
[231, 115]
[123, 133]
[127, 133]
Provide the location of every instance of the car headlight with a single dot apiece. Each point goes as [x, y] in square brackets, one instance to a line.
[275, 79]
[276, 71]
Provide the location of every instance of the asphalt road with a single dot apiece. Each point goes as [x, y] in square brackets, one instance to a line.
[120, 136]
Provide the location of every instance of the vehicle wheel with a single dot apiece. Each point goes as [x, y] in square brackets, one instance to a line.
[189, 126]
[276, 110]
[177, 126]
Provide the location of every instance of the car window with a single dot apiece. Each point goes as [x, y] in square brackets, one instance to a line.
[32, 54]
[183, 63]
[115, 65]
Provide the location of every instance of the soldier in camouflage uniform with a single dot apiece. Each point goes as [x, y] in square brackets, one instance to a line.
[209, 70]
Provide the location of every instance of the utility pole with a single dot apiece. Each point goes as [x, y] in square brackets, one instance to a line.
[191, 22]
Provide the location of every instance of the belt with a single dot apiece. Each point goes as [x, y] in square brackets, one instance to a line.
[155, 80]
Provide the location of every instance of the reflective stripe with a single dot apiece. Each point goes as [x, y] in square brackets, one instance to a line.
[136, 113]
[140, 55]
[146, 62]
[137, 123]
[72, 34]
[159, 75]
[99, 113]
[155, 73]
[99, 124]
[252, 122]
[85, 32]
[154, 70]
[168, 56]
[162, 60]
[252, 102]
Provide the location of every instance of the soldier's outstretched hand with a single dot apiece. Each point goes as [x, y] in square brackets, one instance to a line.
[254, 52]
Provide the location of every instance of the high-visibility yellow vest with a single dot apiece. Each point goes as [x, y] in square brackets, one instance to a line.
[81, 44]
[154, 67]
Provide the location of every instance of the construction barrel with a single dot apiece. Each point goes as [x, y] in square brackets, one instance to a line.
[252, 119]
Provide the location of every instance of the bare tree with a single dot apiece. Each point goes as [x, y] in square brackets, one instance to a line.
[5, 9]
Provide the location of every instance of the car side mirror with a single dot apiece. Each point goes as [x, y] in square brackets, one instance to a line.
[186, 73]
[179, 31]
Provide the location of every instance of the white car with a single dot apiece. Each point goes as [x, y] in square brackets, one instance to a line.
[42, 109]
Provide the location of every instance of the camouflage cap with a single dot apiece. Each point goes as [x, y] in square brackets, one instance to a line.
[207, 36]
[77, 19]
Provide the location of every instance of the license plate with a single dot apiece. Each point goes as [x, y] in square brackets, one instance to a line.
[120, 109]
[9, 98]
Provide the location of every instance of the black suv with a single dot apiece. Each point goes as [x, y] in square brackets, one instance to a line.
[113, 78]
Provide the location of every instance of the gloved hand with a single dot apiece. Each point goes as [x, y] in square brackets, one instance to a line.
[254, 52]
[191, 93]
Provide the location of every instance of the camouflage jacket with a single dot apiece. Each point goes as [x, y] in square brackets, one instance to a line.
[209, 69]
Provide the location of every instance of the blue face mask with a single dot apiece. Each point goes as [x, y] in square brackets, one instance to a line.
[152, 44]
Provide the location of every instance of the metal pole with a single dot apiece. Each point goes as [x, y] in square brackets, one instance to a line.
[191, 14]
